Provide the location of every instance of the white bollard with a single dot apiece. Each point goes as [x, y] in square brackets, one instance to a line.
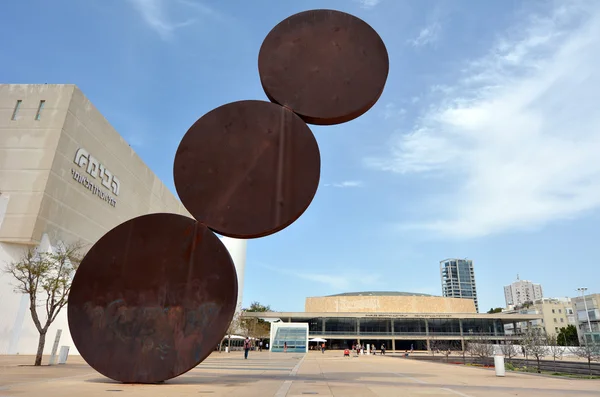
[499, 365]
[63, 355]
[368, 350]
[226, 349]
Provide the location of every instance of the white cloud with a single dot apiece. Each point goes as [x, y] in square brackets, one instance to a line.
[391, 111]
[427, 35]
[368, 3]
[337, 282]
[519, 134]
[156, 14]
[346, 184]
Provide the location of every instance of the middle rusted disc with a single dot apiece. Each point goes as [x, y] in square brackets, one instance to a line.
[247, 169]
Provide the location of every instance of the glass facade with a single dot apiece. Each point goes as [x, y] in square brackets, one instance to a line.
[381, 327]
[458, 279]
[290, 339]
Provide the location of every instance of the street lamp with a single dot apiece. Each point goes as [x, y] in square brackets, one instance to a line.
[582, 290]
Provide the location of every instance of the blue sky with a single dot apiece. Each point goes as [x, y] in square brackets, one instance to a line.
[485, 143]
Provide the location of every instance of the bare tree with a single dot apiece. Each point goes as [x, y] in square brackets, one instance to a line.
[234, 327]
[46, 277]
[509, 350]
[589, 350]
[554, 349]
[536, 345]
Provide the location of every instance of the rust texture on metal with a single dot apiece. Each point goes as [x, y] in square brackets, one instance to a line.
[329, 67]
[247, 169]
[152, 298]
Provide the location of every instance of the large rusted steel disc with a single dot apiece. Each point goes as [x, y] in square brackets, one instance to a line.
[152, 298]
[329, 67]
[247, 169]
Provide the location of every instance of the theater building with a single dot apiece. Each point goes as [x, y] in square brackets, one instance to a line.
[398, 320]
[65, 176]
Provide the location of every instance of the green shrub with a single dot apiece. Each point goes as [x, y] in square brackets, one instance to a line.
[509, 367]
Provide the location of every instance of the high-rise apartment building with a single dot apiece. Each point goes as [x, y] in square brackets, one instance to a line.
[522, 291]
[458, 279]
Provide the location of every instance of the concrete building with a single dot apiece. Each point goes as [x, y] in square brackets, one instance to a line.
[522, 291]
[398, 320]
[65, 176]
[458, 279]
[591, 318]
[388, 302]
[555, 314]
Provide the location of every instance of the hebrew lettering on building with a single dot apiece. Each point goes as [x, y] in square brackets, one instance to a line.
[96, 170]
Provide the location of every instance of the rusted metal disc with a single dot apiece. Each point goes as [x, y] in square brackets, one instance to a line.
[327, 66]
[152, 298]
[247, 169]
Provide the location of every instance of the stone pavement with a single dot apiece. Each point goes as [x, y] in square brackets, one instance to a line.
[277, 374]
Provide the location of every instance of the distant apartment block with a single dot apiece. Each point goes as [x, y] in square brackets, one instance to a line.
[522, 291]
[458, 279]
[556, 313]
[590, 319]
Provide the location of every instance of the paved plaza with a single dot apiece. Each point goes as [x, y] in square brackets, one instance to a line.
[278, 374]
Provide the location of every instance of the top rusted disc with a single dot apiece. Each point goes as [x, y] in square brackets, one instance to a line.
[152, 298]
[247, 169]
[329, 67]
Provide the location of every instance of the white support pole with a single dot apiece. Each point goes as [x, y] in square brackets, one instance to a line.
[237, 249]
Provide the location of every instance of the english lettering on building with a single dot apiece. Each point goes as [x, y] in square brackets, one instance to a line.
[96, 170]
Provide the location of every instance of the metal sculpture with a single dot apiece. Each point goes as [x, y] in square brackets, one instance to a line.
[155, 295]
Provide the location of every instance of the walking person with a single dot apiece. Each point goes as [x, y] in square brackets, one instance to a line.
[411, 348]
[374, 349]
[260, 346]
[247, 345]
[285, 347]
[383, 349]
[323, 348]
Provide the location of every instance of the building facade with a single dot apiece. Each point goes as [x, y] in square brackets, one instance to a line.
[458, 279]
[587, 319]
[372, 318]
[386, 302]
[554, 314]
[66, 176]
[522, 291]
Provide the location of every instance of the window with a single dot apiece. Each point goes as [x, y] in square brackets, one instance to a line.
[39, 111]
[560, 310]
[556, 329]
[552, 311]
[555, 320]
[562, 320]
[16, 111]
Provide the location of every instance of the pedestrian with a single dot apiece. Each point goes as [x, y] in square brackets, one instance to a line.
[247, 345]
[323, 348]
[260, 346]
[411, 348]
[374, 349]
[285, 347]
[383, 349]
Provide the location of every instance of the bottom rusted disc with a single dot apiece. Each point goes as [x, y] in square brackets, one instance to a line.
[152, 298]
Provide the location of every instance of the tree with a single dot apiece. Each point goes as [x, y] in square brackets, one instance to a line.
[536, 345]
[234, 327]
[495, 310]
[589, 351]
[256, 327]
[46, 277]
[567, 336]
[554, 349]
[509, 350]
